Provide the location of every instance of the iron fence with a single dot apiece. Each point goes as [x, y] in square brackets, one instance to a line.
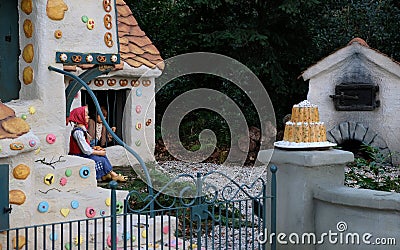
[198, 216]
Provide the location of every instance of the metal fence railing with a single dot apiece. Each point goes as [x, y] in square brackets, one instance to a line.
[200, 217]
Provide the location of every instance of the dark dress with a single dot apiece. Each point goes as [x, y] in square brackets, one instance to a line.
[102, 166]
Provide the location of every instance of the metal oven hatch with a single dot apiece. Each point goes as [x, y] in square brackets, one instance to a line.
[355, 97]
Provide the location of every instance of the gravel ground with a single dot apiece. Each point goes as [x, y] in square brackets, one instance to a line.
[222, 237]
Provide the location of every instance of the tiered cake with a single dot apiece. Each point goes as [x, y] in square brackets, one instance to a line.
[304, 128]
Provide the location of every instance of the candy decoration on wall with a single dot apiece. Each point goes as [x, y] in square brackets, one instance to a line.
[28, 28]
[27, 75]
[123, 82]
[98, 82]
[144, 234]
[109, 240]
[90, 212]
[146, 83]
[55, 9]
[67, 246]
[21, 172]
[28, 53]
[102, 212]
[135, 83]
[53, 236]
[108, 202]
[89, 59]
[74, 204]
[24, 116]
[49, 179]
[78, 240]
[165, 230]
[107, 5]
[111, 82]
[64, 212]
[58, 34]
[90, 24]
[114, 59]
[32, 143]
[32, 110]
[51, 138]
[126, 236]
[120, 207]
[43, 207]
[84, 19]
[107, 21]
[63, 57]
[16, 146]
[16, 197]
[84, 172]
[139, 92]
[21, 242]
[148, 122]
[138, 109]
[63, 181]
[138, 143]
[108, 39]
[37, 151]
[26, 6]
[138, 126]
[68, 172]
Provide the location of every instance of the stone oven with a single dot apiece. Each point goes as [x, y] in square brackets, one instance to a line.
[356, 89]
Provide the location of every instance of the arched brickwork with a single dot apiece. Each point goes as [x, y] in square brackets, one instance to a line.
[346, 131]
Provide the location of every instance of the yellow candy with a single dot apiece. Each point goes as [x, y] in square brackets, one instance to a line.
[32, 110]
[108, 202]
[144, 234]
[78, 240]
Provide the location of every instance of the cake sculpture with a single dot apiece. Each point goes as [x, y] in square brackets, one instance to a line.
[304, 130]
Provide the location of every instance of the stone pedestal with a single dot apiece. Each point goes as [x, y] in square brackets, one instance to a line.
[299, 173]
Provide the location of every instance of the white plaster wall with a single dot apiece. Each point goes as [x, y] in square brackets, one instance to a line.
[363, 211]
[383, 120]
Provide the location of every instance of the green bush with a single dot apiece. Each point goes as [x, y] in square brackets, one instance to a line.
[373, 172]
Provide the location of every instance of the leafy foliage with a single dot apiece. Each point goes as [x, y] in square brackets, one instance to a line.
[373, 172]
[277, 40]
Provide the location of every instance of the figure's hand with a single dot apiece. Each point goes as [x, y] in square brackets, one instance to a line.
[100, 152]
[99, 148]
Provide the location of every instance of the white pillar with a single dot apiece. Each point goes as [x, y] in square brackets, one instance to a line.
[299, 172]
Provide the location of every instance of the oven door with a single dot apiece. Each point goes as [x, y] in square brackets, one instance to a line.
[355, 97]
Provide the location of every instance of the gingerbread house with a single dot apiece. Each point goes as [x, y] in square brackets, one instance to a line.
[100, 43]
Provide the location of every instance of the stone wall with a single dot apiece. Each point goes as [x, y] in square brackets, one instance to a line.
[312, 201]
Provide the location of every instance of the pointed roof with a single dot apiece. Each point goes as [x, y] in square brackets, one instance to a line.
[136, 49]
[355, 46]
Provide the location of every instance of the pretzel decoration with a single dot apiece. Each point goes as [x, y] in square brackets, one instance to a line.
[107, 21]
[107, 5]
[76, 58]
[98, 82]
[146, 83]
[135, 83]
[89, 82]
[111, 82]
[123, 82]
[101, 59]
[108, 39]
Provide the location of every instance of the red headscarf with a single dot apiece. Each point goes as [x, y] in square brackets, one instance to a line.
[78, 116]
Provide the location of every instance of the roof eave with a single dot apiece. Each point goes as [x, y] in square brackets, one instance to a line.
[342, 54]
